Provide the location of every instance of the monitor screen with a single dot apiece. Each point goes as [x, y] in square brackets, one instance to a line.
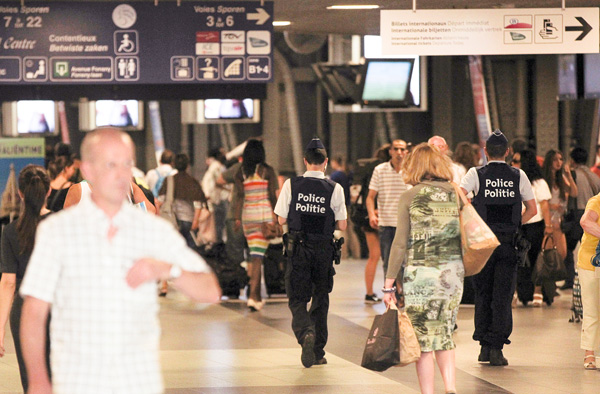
[567, 77]
[118, 113]
[387, 81]
[36, 117]
[228, 109]
[591, 71]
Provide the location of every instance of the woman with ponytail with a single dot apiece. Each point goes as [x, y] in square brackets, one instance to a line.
[61, 170]
[18, 238]
[254, 198]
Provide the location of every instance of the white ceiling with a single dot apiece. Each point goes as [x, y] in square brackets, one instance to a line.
[311, 16]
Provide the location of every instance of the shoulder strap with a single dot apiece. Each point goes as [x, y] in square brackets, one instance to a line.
[130, 195]
[170, 190]
[331, 183]
[461, 196]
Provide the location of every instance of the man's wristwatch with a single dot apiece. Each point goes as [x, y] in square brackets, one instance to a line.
[175, 272]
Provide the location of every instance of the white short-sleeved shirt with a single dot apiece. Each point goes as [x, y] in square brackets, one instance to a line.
[104, 334]
[389, 185]
[542, 193]
[338, 202]
[164, 170]
[470, 183]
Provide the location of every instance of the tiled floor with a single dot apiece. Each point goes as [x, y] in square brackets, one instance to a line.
[226, 349]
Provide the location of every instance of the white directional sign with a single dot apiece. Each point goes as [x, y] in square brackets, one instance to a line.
[490, 31]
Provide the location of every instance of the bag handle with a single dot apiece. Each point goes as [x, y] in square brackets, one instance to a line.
[462, 196]
[546, 239]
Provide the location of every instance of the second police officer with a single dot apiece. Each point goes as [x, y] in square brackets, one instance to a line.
[499, 190]
[312, 206]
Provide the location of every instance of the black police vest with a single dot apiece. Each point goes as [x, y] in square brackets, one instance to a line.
[310, 208]
[498, 201]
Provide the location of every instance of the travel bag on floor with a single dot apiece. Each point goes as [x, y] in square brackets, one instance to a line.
[232, 276]
[274, 265]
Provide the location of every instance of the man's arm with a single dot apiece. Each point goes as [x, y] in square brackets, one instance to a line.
[33, 344]
[341, 224]
[8, 283]
[373, 219]
[530, 210]
[199, 286]
[589, 223]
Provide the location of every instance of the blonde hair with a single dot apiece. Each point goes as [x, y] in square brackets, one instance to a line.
[426, 162]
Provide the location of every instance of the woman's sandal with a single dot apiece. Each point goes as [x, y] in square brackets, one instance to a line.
[589, 362]
[537, 300]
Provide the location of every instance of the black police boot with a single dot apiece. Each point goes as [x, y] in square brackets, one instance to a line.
[308, 351]
[484, 354]
[497, 358]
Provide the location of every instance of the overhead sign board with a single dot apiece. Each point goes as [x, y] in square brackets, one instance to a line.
[490, 31]
[135, 43]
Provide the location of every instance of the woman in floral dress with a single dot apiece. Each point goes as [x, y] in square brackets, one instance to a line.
[426, 261]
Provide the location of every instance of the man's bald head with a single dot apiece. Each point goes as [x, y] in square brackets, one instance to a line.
[98, 140]
[438, 142]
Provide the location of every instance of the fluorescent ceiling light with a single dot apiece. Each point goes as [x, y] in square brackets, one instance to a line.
[281, 23]
[353, 7]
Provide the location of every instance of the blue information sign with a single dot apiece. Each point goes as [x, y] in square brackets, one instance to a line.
[135, 43]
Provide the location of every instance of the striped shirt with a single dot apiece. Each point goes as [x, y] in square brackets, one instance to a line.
[104, 334]
[389, 185]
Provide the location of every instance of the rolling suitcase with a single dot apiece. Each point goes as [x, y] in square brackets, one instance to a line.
[232, 276]
[274, 266]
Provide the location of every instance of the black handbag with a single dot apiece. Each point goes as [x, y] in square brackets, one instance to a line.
[359, 213]
[383, 344]
[522, 246]
[549, 265]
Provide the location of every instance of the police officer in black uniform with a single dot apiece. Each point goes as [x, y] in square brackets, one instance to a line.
[499, 190]
[311, 206]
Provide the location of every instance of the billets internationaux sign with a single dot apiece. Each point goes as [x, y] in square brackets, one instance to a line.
[490, 31]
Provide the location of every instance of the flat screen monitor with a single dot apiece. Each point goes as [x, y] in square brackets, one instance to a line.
[220, 111]
[126, 114]
[386, 83]
[567, 77]
[591, 76]
[29, 118]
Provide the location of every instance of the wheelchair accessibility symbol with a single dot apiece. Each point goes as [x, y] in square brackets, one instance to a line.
[126, 42]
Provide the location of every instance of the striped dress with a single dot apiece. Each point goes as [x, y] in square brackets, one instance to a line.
[257, 210]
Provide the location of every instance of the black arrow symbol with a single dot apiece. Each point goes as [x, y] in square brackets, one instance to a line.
[585, 28]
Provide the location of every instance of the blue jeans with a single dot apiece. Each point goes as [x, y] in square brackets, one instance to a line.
[184, 229]
[386, 237]
[220, 213]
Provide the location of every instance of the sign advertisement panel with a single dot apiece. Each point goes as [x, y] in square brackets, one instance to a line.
[490, 31]
[16, 153]
[137, 43]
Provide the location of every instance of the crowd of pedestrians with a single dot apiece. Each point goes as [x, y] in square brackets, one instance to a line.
[410, 199]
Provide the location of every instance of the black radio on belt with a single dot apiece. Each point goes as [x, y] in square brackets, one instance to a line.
[338, 250]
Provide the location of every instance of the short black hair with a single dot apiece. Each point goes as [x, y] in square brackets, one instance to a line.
[181, 162]
[217, 153]
[315, 156]
[496, 151]
[519, 145]
[579, 155]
